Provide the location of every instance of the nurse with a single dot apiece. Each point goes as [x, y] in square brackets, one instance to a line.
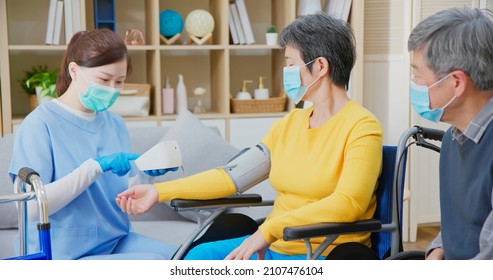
[82, 153]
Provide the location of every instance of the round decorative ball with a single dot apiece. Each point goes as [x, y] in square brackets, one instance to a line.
[170, 23]
[199, 23]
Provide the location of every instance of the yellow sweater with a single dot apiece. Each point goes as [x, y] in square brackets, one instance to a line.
[324, 174]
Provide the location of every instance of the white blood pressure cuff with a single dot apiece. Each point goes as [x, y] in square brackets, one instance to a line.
[250, 167]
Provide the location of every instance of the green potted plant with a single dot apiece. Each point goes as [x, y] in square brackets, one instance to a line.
[28, 74]
[44, 83]
[31, 91]
[271, 35]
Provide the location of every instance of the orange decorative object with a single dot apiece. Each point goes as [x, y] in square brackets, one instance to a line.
[134, 37]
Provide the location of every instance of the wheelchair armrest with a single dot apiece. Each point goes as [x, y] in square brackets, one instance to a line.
[323, 229]
[239, 200]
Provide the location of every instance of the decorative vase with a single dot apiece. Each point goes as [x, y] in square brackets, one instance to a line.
[168, 99]
[306, 7]
[271, 39]
[33, 102]
[40, 98]
[199, 96]
[181, 95]
[38, 90]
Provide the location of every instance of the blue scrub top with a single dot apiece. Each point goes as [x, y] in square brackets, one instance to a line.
[54, 142]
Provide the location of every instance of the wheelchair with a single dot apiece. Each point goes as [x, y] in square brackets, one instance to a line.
[28, 176]
[385, 226]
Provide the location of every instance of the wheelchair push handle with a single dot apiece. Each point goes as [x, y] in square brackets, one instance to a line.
[431, 133]
[420, 133]
[25, 174]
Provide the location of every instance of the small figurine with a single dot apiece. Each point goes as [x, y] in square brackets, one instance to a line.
[134, 37]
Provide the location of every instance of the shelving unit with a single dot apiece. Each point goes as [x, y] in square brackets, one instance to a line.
[219, 67]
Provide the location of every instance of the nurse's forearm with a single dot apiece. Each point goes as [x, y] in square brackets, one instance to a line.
[61, 192]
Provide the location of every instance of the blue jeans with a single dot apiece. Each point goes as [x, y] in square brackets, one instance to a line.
[218, 250]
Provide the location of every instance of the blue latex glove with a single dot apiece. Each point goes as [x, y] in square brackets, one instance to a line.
[159, 172]
[118, 163]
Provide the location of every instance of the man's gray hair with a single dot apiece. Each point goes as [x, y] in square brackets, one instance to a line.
[457, 39]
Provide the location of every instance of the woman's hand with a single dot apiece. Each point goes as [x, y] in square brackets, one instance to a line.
[138, 199]
[253, 244]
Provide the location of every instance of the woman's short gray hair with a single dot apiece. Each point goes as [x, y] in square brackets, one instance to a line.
[457, 39]
[320, 35]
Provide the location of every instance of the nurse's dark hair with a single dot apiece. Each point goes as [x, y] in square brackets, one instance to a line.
[457, 39]
[91, 49]
[320, 35]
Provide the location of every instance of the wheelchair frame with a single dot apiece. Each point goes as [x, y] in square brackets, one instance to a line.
[330, 231]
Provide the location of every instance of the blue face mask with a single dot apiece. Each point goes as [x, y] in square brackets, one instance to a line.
[420, 100]
[98, 97]
[292, 82]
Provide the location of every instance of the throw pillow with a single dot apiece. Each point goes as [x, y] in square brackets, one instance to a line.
[202, 148]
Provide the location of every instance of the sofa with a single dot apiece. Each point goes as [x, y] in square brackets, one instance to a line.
[201, 147]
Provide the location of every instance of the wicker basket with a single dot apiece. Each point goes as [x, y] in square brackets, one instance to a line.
[271, 105]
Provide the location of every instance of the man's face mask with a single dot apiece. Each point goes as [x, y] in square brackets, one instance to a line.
[420, 99]
[292, 82]
[98, 97]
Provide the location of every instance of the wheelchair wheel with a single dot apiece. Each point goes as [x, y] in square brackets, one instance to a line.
[226, 226]
[352, 251]
[408, 255]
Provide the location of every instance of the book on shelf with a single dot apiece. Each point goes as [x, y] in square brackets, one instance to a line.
[346, 8]
[72, 18]
[57, 30]
[338, 8]
[232, 28]
[51, 22]
[331, 7]
[237, 24]
[245, 21]
[76, 16]
[68, 20]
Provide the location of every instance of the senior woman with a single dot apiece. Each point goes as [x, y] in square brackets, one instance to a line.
[324, 160]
